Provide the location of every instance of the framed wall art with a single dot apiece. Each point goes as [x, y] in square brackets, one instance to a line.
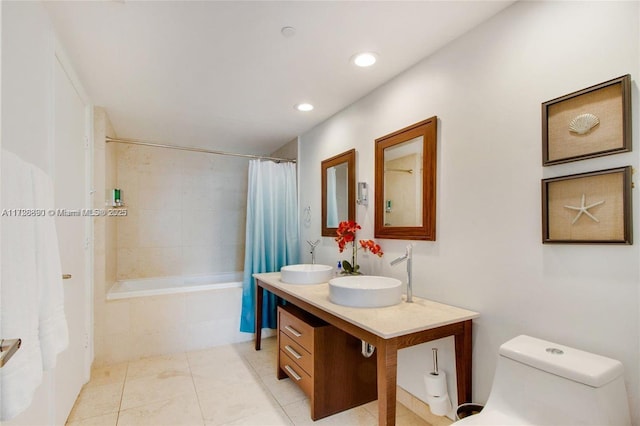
[588, 208]
[592, 122]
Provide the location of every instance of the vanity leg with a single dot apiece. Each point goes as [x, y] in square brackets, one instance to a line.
[387, 377]
[463, 362]
[259, 297]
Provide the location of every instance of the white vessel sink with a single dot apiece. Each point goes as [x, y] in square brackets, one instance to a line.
[363, 291]
[306, 274]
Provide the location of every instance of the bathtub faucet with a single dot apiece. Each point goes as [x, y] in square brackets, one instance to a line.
[313, 245]
[407, 256]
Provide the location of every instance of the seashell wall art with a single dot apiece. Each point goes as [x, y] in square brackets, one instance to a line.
[583, 123]
[589, 123]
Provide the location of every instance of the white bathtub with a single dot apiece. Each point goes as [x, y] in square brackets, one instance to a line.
[140, 287]
[160, 316]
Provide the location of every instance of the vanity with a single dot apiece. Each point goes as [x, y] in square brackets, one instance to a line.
[388, 329]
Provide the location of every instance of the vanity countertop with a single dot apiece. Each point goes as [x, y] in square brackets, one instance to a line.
[387, 322]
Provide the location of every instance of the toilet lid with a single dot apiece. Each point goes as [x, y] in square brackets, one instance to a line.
[491, 418]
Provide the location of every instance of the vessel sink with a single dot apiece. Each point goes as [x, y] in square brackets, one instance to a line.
[306, 274]
[363, 291]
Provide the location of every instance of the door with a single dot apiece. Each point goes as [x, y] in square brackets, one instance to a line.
[69, 174]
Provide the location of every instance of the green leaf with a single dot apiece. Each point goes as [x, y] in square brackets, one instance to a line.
[346, 266]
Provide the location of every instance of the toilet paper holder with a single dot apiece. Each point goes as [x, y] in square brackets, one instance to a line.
[435, 361]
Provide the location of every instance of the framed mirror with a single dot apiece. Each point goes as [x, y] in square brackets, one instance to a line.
[338, 191]
[405, 177]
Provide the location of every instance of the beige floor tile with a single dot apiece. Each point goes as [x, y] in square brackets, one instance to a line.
[158, 365]
[300, 414]
[220, 375]
[234, 402]
[273, 417]
[244, 347]
[411, 419]
[217, 355]
[226, 385]
[95, 401]
[268, 343]
[182, 411]
[104, 420]
[284, 391]
[108, 374]
[146, 390]
[372, 407]
[263, 361]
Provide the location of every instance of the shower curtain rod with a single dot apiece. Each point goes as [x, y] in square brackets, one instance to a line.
[188, 148]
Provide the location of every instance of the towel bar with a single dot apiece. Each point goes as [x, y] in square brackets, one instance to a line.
[7, 348]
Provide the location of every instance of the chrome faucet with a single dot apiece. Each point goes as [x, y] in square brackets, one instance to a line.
[407, 256]
[313, 245]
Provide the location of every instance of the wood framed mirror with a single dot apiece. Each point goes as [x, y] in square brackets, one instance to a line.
[405, 178]
[338, 191]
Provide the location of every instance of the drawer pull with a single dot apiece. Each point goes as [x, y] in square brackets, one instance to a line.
[293, 373]
[293, 331]
[293, 352]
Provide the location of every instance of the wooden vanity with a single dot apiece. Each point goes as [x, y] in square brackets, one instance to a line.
[324, 361]
[388, 329]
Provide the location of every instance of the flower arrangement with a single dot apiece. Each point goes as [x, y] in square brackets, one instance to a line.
[347, 234]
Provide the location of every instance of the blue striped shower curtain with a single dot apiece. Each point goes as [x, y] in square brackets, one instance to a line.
[272, 239]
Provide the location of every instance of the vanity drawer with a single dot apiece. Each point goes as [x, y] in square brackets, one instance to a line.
[298, 330]
[296, 373]
[296, 352]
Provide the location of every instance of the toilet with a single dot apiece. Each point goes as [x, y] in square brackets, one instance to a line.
[542, 383]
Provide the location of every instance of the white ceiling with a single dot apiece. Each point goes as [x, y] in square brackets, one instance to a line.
[221, 75]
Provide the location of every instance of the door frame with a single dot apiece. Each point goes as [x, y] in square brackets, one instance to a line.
[61, 56]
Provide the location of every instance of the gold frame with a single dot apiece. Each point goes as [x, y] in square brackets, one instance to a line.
[588, 208]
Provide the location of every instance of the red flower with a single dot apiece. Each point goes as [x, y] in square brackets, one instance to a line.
[346, 233]
[372, 247]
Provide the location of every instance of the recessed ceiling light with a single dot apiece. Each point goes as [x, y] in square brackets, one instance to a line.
[364, 59]
[303, 107]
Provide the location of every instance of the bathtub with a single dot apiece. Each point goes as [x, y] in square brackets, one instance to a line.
[164, 315]
[140, 287]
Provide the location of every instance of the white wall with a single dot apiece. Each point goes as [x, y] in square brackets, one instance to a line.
[486, 89]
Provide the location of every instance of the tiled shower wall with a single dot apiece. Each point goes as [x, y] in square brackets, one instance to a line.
[186, 212]
[185, 216]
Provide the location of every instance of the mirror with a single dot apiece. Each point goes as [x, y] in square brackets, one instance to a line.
[405, 176]
[338, 191]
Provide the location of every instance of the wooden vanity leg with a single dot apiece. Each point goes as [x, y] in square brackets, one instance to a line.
[463, 362]
[387, 379]
[259, 297]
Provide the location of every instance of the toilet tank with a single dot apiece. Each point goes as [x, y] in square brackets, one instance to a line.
[544, 383]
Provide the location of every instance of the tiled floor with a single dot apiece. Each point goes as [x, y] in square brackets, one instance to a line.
[226, 385]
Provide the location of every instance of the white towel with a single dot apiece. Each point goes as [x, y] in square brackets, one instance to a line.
[19, 294]
[54, 336]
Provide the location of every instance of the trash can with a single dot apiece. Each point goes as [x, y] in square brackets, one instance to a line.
[468, 409]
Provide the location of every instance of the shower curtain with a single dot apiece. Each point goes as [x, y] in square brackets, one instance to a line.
[272, 239]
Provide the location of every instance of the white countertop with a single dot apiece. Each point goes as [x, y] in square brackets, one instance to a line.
[391, 321]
